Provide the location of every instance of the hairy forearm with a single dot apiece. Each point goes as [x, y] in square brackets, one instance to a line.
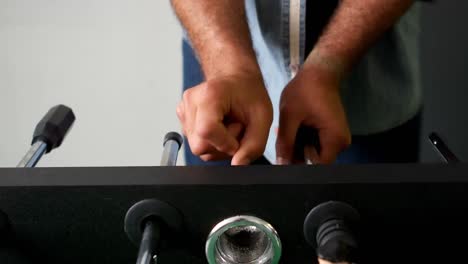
[352, 30]
[220, 35]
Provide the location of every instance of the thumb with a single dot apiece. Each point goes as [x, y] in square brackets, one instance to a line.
[253, 142]
[235, 129]
[332, 144]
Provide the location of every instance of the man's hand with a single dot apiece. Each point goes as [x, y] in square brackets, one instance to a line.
[228, 116]
[312, 99]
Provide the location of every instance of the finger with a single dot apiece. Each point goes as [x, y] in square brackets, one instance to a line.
[215, 156]
[332, 144]
[288, 125]
[235, 129]
[208, 153]
[210, 127]
[199, 146]
[254, 139]
[205, 150]
[180, 111]
[322, 261]
[190, 112]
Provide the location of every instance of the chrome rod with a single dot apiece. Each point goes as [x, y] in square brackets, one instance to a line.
[170, 152]
[33, 156]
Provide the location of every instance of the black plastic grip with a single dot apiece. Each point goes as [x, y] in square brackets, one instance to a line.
[169, 218]
[54, 126]
[332, 229]
[173, 136]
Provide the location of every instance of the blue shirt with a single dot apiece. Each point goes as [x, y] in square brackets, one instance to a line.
[382, 92]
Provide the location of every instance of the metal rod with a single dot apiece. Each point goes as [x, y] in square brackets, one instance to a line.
[443, 149]
[33, 156]
[169, 156]
[149, 243]
[308, 154]
[307, 143]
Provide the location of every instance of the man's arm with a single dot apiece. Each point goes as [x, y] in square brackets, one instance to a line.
[230, 114]
[220, 35]
[354, 27]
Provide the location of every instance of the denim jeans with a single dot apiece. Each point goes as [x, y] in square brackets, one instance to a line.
[398, 145]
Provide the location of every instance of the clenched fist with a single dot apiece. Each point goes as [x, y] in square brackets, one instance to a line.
[312, 99]
[227, 117]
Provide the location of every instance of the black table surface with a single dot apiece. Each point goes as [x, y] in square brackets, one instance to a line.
[410, 212]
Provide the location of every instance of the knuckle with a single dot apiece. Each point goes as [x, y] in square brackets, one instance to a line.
[215, 156]
[205, 130]
[224, 147]
[286, 110]
[186, 96]
[198, 147]
[179, 111]
[210, 91]
[207, 157]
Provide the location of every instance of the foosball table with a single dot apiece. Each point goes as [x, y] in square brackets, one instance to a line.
[379, 213]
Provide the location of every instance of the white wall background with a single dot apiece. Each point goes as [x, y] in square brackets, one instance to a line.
[116, 63]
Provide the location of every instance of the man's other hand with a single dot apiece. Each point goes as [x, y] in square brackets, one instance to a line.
[228, 116]
[312, 99]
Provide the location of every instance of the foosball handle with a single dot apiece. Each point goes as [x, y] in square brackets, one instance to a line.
[331, 228]
[48, 134]
[172, 143]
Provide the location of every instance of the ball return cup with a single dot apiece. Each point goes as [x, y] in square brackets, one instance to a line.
[380, 213]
